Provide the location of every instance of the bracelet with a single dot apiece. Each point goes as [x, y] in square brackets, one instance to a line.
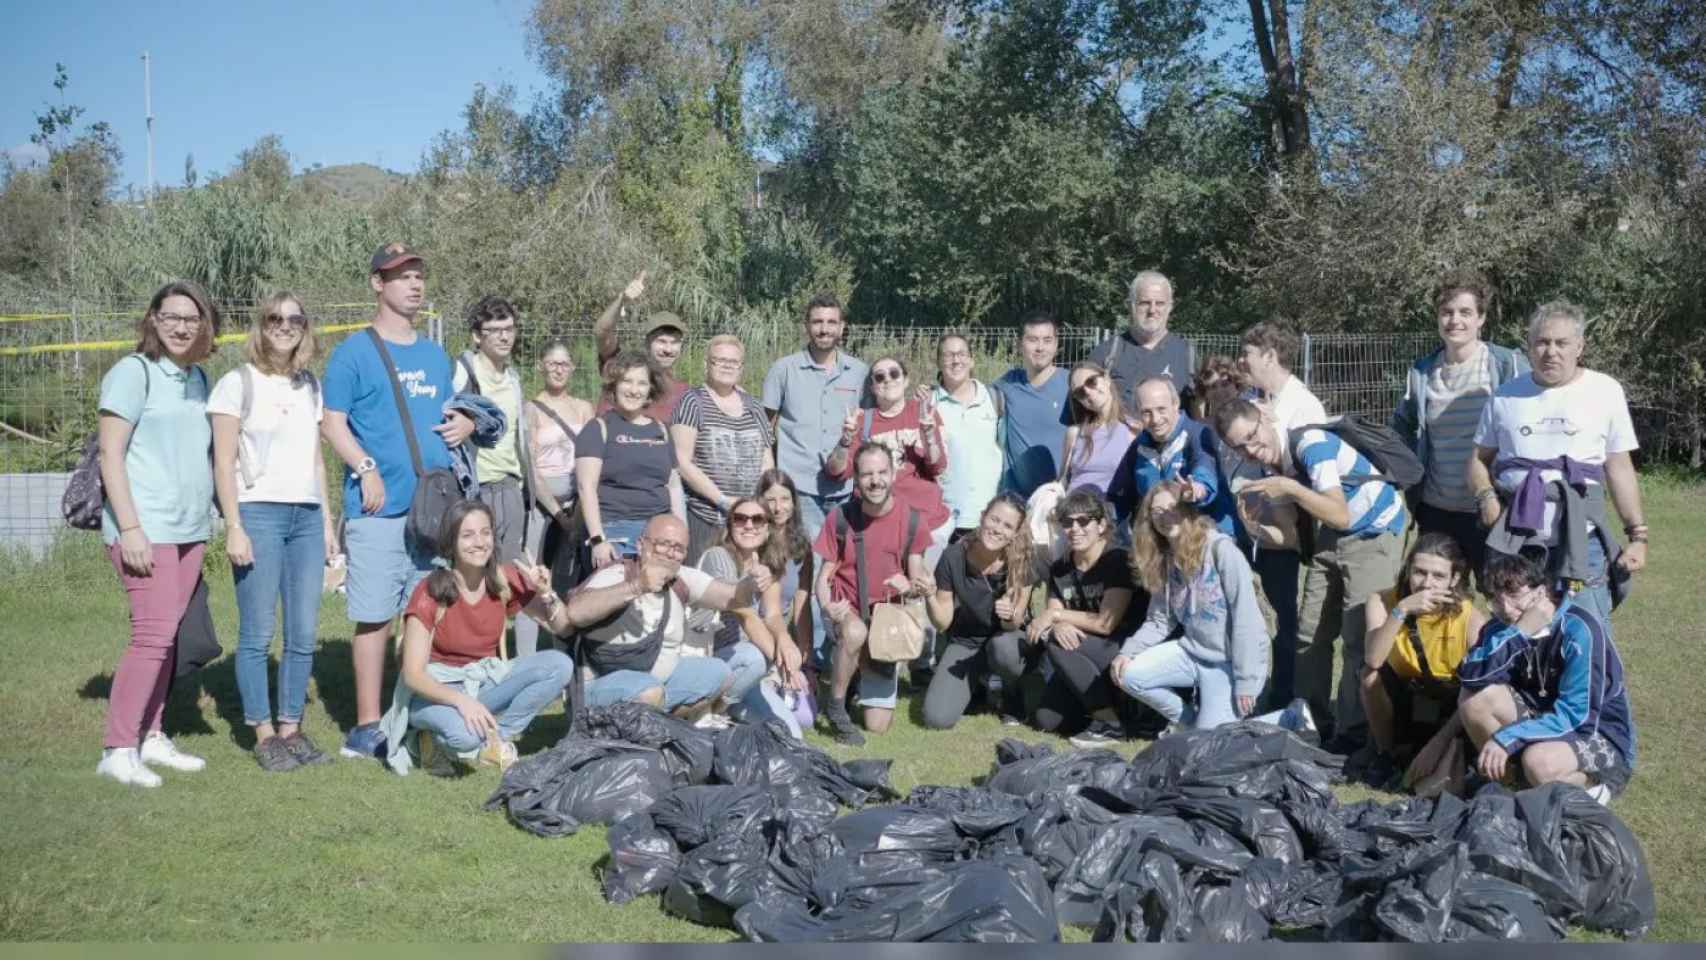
[1634, 528]
[1486, 493]
[134, 526]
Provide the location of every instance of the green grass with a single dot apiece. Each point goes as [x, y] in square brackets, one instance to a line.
[350, 852]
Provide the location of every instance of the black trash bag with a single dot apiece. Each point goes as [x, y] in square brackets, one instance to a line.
[1574, 837]
[974, 901]
[1431, 894]
[1151, 904]
[1488, 908]
[1059, 827]
[1024, 769]
[1253, 760]
[1118, 855]
[1263, 829]
[1498, 840]
[696, 815]
[1373, 829]
[643, 859]
[765, 754]
[578, 781]
[687, 750]
[1291, 896]
[719, 877]
[931, 834]
[1225, 914]
[987, 816]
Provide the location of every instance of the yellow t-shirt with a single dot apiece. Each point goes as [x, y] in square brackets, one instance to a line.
[503, 459]
[1445, 639]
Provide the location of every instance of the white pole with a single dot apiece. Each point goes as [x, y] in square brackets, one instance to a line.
[148, 112]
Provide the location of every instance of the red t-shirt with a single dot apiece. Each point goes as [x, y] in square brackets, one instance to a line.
[915, 475]
[884, 551]
[469, 631]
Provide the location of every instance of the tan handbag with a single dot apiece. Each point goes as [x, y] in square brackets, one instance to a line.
[897, 631]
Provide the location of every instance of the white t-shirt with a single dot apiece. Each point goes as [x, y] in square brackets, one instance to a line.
[637, 621]
[1295, 406]
[1584, 420]
[278, 440]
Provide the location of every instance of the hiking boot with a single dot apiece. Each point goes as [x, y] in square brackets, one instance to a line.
[159, 750]
[125, 765]
[1099, 734]
[304, 750]
[1382, 773]
[841, 726]
[364, 741]
[274, 756]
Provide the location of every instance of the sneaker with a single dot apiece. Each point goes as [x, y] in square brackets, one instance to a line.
[124, 764]
[1296, 717]
[841, 726]
[158, 749]
[1600, 792]
[364, 741]
[274, 756]
[304, 750]
[1098, 734]
[497, 752]
[713, 721]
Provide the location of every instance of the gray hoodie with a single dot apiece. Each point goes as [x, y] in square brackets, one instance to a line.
[1218, 612]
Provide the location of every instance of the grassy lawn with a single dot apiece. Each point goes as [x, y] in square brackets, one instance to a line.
[348, 851]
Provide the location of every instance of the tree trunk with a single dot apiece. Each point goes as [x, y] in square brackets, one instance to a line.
[1286, 97]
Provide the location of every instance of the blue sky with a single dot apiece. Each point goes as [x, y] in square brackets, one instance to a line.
[341, 82]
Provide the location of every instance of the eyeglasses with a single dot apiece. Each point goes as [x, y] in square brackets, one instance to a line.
[187, 321]
[668, 548]
[1089, 384]
[886, 374]
[295, 321]
[1067, 523]
[748, 519]
[500, 333]
[725, 363]
[559, 365]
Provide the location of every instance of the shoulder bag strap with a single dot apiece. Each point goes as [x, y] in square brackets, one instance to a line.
[1414, 633]
[844, 525]
[559, 421]
[248, 391]
[473, 381]
[402, 405]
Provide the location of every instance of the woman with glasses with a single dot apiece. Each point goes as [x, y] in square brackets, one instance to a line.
[271, 481]
[753, 639]
[981, 603]
[722, 443]
[1203, 593]
[1101, 433]
[153, 437]
[625, 466]
[1092, 605]
[555, 419]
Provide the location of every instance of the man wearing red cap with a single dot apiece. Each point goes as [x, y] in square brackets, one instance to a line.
[365, 428]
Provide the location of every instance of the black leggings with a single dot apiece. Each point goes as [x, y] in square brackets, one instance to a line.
[1080, 685]
[962, 666]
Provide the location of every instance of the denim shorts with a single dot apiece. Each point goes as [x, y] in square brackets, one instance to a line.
[692, 680]
[383, 570]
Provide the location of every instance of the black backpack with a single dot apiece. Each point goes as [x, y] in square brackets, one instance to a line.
[1379, 444]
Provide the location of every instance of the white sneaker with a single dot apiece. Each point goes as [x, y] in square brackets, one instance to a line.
[1600, 792]
[124, 765]
[157, 748]
[713, 721]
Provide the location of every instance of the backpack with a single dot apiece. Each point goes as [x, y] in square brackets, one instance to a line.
[245, 460]
[843, 528]
[1378, 443]
[85, 495]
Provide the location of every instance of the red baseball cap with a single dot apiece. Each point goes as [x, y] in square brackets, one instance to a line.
[393, 255]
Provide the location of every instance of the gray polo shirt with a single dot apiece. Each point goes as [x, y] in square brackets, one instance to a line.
[811, 401]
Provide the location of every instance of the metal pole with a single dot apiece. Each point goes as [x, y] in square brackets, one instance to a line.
[1306, 358]
[148, 117]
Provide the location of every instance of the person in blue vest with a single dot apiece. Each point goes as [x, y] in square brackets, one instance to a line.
[1173, 447]
[1543, 686]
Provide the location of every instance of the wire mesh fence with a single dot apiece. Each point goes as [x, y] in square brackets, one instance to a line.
[52, 361]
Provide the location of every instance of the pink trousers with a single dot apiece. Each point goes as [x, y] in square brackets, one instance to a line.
[157, 603]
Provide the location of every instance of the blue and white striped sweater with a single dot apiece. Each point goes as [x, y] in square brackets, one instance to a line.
[1573, 672]
[1376, 506]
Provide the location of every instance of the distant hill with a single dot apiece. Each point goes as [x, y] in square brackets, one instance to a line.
[356, 182]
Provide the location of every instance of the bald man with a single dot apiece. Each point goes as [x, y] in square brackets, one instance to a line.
[1173, 447]
[632, 618]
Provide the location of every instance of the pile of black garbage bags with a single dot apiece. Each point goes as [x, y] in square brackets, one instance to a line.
[1219, 836]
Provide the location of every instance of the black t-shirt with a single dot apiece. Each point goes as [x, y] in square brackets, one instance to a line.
[633, 483]
[1132, 364]
[975, 594]
[1082, 591]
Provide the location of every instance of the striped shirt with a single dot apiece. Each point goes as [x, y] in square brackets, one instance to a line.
[730, 450]
[1456, 393]
[1376, 506]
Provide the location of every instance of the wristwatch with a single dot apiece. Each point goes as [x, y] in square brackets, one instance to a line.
[365, 466]
[595, 540]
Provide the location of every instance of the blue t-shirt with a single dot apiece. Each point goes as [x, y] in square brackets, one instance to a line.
[171, 478]
[1033, 427]
[1376, 506]
[357, 385]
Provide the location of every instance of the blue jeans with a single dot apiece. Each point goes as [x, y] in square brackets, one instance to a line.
[1595, 594]
[692, 680]
[814, 510]
[746, 667]
[1151, 676]
[1278, 570]
[289, 544]
[532, 682]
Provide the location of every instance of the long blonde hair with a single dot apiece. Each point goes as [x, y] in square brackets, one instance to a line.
[255, 348]
[1151, 553]
[1089, 421]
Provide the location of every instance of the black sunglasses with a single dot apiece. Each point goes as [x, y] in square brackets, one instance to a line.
[886, 374]
[295, 320]
[748, 519]
[1079, 520]
[1088, 384]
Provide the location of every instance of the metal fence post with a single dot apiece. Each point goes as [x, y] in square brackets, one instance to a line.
[1307, 381]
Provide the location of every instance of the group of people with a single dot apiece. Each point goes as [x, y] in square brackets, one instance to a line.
[1144, 541]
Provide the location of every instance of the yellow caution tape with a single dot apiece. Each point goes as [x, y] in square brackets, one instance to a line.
[99, 345]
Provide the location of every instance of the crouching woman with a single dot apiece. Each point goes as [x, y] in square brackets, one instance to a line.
[465, 699]
[1200, 584]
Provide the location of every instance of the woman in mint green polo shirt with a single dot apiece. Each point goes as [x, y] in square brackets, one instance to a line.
[154, 440]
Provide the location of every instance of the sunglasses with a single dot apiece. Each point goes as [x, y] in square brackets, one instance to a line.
[295, 321]
[1067, 523]
[1090, 383]
[748, 519]
[886, 374]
